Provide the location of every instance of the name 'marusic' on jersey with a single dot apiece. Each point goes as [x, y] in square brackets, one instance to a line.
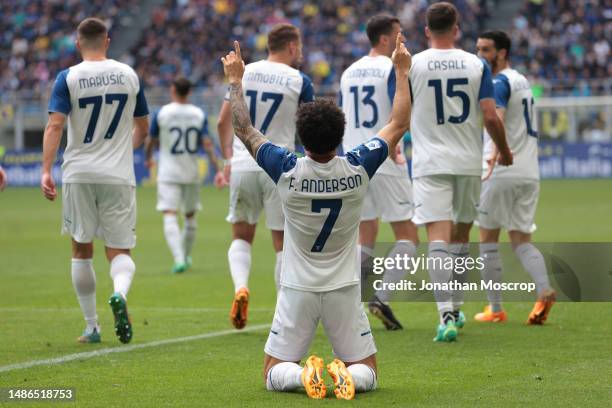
[322, 204]
[180, 128]
[273, 92]
[513, 94]
[367, 89]
[447, 86]
[101, 99]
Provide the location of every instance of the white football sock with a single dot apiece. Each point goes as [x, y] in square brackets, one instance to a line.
[189, 234]
[532, 260]
[84, 282]
[394, 275]
[122, 271]
[364, 377]
[239, 257]
[284, 377]
[440, 273]
[492, 271]
[277, 269]
[459, 251]
[173, 237]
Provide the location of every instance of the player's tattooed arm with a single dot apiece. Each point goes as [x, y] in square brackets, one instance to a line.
[241, 119]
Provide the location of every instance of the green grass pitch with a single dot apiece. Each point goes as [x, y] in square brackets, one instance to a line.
[567, 362]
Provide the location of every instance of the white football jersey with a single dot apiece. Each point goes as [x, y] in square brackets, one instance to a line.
[513, 94]
[367, 89]
[322, 205]
[446, 122]
[180, 128]
[273, 92]
[101, 99]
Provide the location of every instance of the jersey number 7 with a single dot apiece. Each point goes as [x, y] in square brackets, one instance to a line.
[334, 206]
[96, 101]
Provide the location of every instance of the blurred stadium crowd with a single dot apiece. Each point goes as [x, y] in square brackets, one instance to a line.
[561, 45]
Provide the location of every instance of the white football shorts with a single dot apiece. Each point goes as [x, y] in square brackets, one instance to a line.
[297, 316]
[178, 197]
[388, 198]
[509, 203]
[250, 192]
[444, 197]
[105, 211]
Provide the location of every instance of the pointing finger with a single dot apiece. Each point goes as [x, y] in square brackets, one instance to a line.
[237, 48]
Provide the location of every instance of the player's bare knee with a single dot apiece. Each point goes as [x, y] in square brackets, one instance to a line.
[518, 238]
[489, 236]
[82, 250]
[243, 231]
[406, 231]
[111, 253]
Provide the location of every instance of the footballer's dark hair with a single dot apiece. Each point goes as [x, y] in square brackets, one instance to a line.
[441, 17]
[378, 25]
[92, 32]
[182, 86]
[320, 125]
[500, 38]
[281, 35]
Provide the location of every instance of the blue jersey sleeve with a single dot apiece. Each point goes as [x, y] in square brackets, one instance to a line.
[307, 93]
[391, 85]
[370, 155]
[486, 84]
[204, 130]
[275, 160]
[60, 95]
[141, 108]
[501, 86]
[154, 126]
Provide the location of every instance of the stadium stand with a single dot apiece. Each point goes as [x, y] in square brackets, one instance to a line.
[37, 38]
[568, 53]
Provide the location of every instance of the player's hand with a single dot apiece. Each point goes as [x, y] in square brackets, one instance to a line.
[233, 65]
[48, 186]
[505, 159]
[227, 172]
[491, 161]
[219, 180]
[402, 60]
[398, 156]
[3, 179]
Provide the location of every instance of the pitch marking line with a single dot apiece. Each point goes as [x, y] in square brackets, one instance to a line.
[124, 349]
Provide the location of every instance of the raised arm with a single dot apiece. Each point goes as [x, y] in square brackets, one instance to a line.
[241, 121]
[393, 132]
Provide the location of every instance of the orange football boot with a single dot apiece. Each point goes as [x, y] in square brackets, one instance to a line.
[540, 310]
[240, 307]
[345, 387]
[488, 315]
[312, 378]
